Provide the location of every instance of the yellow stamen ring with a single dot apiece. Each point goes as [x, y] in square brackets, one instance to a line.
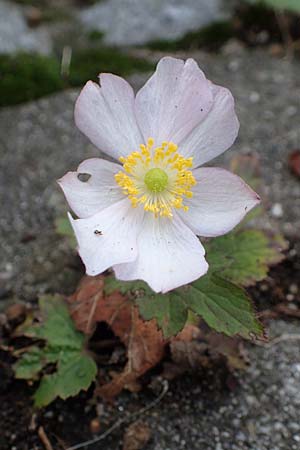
[159, 178]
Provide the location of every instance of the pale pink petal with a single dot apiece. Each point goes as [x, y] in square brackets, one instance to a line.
[105, 114]
[87, 195]
[109, 237]
[216, 133]
[220, 201]
[169, 255]
[173, 101]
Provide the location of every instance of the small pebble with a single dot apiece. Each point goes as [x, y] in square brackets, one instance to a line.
[293, 288]
[49, 414]
[95, 425]
[254, 97]
[277, 210]
[291, 110]
[234, 65]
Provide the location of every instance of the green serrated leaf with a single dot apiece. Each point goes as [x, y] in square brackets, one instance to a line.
[30, 364]
[224, 306]
[34, 360]
[169, 310]
[58, 328]
[75, 370]
[112, 284]
[244, 257]
[74, 373]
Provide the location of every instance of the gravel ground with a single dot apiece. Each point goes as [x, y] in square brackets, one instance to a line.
[262, 413]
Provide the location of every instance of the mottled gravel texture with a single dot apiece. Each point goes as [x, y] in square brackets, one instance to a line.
[260, 413]
[39, 143]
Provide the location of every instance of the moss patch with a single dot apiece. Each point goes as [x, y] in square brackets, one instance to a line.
[87, 64]
[95, 35]
[26, 76]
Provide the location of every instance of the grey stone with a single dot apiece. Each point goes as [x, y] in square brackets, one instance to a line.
[16, 36]
[127, 22]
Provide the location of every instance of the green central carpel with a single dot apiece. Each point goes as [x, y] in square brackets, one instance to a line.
[156, 180]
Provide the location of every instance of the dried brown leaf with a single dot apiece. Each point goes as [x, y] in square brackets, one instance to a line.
[143, 341]
[16, 312]
[294, 162]
[145, 348]
[83, 303]
[199, 346]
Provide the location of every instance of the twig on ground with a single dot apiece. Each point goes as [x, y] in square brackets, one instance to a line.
[43, 437]
[277, 340]
[120, 422]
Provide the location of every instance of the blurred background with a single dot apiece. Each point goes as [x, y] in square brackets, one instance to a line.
[48, 50]
[51, 45]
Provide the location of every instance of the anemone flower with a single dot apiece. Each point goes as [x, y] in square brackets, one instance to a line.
[141, 215]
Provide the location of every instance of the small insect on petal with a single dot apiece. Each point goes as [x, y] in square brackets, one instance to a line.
[98, 232]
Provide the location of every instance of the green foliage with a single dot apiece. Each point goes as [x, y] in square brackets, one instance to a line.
[28, 76]
[211, 37]
[25, 77]
[289, 5]
[31, 364]
[244, 257]
[87, 64]
[224, 306]
[135, 288]
[95, 35]
[64, 347]
[169, 310]
[74, 372]
[237, 259]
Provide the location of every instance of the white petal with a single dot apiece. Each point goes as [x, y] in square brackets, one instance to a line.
[216, 133]
[220, 201]
[109, 237]
[169, 255]
[105, 114]
[173, 101]
[87, 198]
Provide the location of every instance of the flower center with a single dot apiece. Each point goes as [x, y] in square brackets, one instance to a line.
[157, 178]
